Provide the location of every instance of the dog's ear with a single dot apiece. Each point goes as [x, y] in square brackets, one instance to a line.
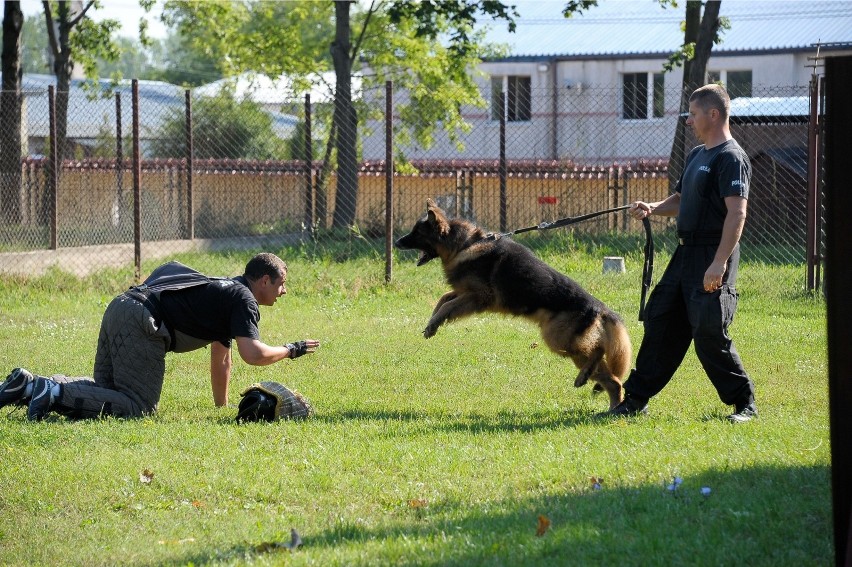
[436, 216]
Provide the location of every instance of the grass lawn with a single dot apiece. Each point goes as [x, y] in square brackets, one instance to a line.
[471, 448]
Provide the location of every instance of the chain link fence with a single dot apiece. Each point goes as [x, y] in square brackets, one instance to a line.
[130, 179]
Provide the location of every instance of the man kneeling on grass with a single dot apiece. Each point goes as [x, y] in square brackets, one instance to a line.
[176, 309]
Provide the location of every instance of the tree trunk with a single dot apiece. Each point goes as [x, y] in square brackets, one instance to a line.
[700, 31]
[322, 177]
[63, 66]
[345, 120]
[10, 114]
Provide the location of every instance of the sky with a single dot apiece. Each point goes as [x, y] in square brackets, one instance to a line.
[127, 12]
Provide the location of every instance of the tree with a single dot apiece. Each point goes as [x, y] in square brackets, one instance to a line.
[34, 53]
[176, 60]
[345, 119]
[396, 40]
[132, 61]
[223, 128]
[10, 114]
[72, 35]
[701, 32]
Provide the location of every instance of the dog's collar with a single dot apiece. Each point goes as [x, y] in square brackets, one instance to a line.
[492, 236]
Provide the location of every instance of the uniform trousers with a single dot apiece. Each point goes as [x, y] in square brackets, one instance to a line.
[130, 366]
[678, 313]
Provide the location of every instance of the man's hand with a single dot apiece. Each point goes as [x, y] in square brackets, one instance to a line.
[301, 348]
[639, 210]
[713, 276]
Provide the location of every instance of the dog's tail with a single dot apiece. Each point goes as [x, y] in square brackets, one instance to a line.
[617, 346]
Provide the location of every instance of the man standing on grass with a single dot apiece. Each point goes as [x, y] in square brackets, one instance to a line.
[695, 300]
[176, 309]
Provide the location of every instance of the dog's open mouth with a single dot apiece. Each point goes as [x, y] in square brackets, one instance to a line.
[425, 257]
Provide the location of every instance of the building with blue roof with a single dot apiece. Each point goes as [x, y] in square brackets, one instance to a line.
[92, 113]
[592, 88]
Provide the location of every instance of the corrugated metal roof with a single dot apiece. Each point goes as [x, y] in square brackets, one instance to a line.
[88, 116]
[771, 106]
[633, 27]
[794, 159]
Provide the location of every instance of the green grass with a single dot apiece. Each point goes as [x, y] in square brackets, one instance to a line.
[438, 452]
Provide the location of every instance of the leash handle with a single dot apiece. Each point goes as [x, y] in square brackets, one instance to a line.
[648, 267]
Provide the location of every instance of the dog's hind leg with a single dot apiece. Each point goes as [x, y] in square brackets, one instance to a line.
[609, 383]
[595, 368]
[588, 366]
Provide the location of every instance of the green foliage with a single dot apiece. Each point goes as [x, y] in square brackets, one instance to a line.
[91, 41]
[396, 41]
[34, 52]
[132, 61]
[452, 19]
[438, 452]
[577, 7]
[686, 52]
[223, 127]
[176, 61]
[255, 35]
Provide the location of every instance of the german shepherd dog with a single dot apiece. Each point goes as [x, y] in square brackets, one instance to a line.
[495, 273]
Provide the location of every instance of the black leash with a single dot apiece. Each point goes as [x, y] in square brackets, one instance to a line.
[647, 268]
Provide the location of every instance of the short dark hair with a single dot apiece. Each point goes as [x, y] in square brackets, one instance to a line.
[265, 264]
[712, 96]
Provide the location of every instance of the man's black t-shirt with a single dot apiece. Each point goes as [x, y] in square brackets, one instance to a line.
[217, 311]
[708, 177]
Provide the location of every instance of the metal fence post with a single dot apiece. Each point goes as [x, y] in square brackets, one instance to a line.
[502, 168]
[811, 256]
[388, 181]
[190, 201]
[119, 164]
[137, 191]
[53, 177]
[309, 221]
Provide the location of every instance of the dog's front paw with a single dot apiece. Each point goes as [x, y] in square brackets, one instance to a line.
[430, 331]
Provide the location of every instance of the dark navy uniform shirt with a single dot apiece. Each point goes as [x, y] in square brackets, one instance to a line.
[708, 177]
[218, 311]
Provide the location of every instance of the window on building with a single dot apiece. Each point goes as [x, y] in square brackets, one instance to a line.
[636, 97]
[737, 83]
[496, 94]
[659, 95]
[518, 97]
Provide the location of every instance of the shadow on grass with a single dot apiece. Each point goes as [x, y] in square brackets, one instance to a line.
[521, 420]
[504, 421]
[751, 516]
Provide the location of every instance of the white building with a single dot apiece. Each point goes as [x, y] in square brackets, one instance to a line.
[592, 87]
